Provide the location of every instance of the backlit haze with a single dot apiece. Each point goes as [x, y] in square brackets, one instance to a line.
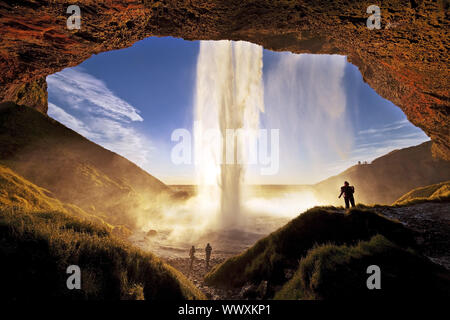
[317, 115]
[131, 100]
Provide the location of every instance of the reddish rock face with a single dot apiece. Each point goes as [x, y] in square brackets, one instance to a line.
[406, 61]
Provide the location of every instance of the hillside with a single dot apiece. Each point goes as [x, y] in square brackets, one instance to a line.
[42, 235]
[45, 243]
[19, 194]
[388, 177]
[74, 169]
[318, 254]
[435, 192]
[331, 272]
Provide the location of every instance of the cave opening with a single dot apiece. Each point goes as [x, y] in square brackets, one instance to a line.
[131, 101]
[177, 146]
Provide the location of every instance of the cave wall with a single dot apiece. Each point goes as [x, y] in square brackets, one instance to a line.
[406, 61]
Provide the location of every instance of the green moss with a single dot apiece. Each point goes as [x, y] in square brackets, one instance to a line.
[339, 272]
[282, 249]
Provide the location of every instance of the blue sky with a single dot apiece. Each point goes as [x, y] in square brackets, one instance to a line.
[131, 100]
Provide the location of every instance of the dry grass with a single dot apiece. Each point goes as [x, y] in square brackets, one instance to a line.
[41, 236]
[20, 194]
[439, 192]
[37, 247]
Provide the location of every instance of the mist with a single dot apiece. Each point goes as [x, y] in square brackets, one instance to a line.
[303, 93]
[305, 98]
[302, 96]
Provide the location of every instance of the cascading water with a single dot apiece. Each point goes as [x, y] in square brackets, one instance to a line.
[229, 97]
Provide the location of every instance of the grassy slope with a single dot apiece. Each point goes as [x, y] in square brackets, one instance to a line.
[17, 193]
[435, 192]
[40, 237]
[36, 248]
[73, 168]
[388, 177]
[284, 248]
[339, 272]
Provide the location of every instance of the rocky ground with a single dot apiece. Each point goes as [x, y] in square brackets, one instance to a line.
[197, 274]
[199, 270]
[431, 223]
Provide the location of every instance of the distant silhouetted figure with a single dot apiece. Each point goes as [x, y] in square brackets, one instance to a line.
[208, 250]
[348, 192]
[192, 257]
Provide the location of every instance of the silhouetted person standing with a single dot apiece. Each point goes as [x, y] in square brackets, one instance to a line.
[348, 192]
[192, 257]
[208, 250]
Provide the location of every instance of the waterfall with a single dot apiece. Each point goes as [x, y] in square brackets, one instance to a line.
[228, 100]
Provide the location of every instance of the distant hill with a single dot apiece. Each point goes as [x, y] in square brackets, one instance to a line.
[74, 169]
[388, 177]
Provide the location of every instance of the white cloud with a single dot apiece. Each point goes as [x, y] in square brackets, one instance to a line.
[386, 128]
[121, 139]
[372, 150]
[67, 119]
[92, 110]
[84, 91]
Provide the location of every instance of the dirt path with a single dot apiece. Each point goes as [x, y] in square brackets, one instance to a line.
[197, 274]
